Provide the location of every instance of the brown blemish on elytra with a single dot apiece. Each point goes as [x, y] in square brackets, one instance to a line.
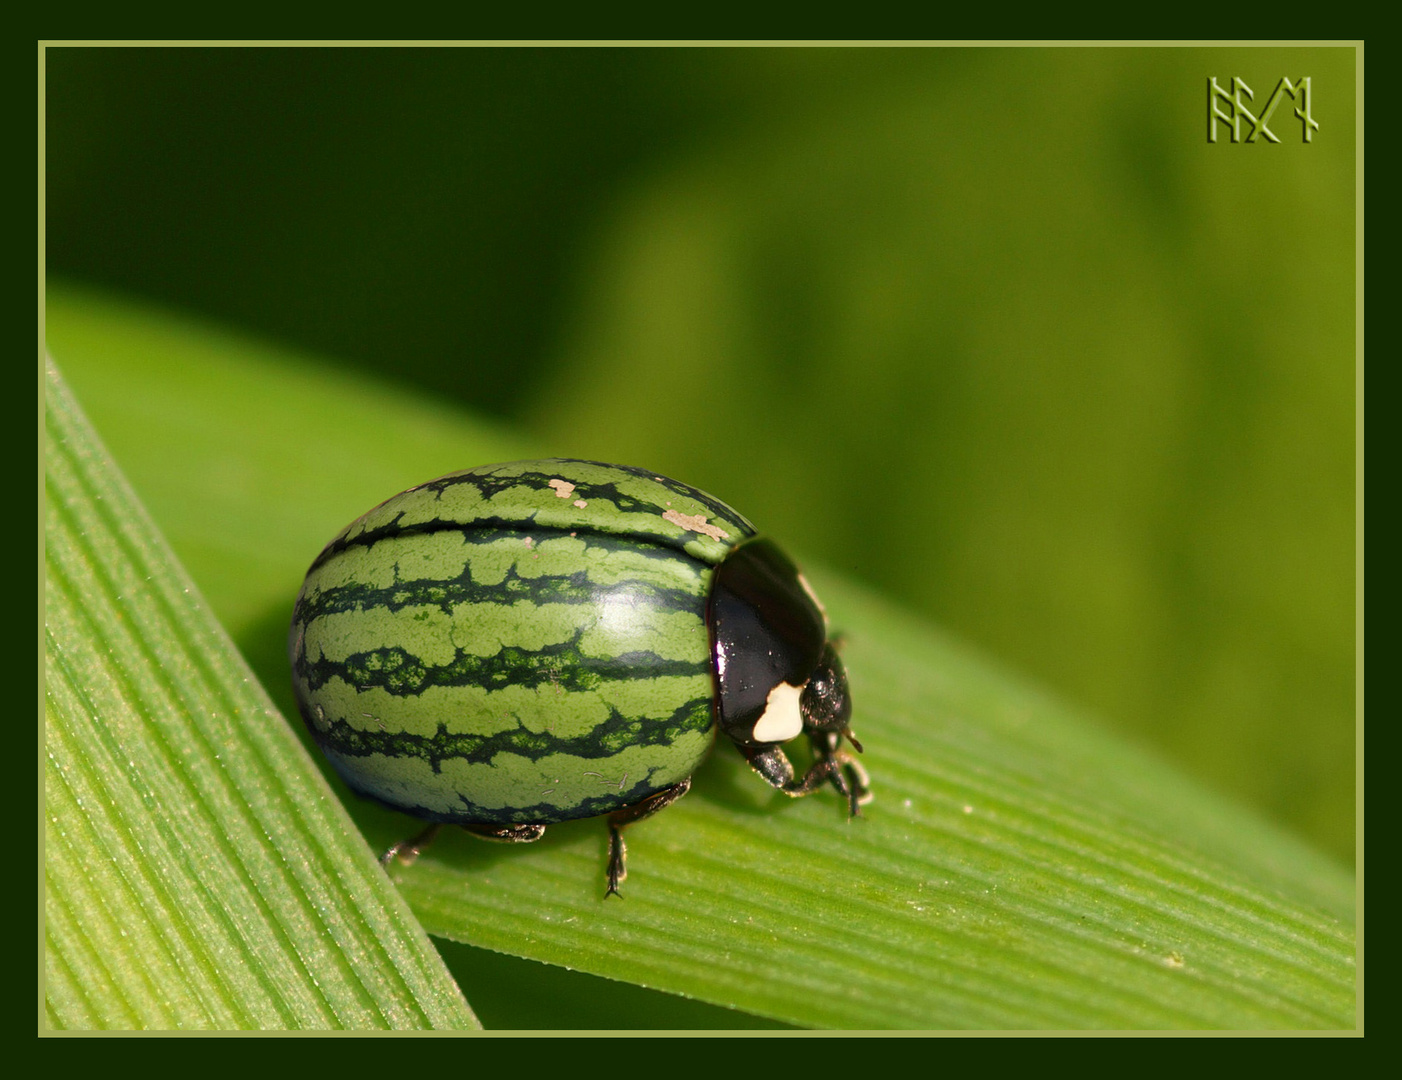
[695, 523]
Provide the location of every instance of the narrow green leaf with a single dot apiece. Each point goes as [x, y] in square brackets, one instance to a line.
[1020, 867]
[197, 872]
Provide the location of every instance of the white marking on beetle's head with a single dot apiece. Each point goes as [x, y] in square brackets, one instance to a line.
[563, 488]
[695, 523]
[782, 719]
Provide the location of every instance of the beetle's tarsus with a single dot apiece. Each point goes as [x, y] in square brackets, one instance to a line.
[618, 861]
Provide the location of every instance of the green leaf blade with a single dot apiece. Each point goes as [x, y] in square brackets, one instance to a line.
[193, 877]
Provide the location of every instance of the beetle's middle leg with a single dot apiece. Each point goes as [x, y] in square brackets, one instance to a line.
[507, 834]
[626, 815]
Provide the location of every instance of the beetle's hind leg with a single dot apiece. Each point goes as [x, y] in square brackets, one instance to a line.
[406, 851]
[626, 815]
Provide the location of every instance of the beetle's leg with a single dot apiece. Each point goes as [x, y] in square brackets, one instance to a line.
[406, 851]
[507, 834]
[626, 815]
[773, 764]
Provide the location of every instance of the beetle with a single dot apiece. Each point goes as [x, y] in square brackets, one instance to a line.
[515, 645]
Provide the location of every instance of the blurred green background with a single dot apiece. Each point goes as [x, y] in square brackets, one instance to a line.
[996, 331]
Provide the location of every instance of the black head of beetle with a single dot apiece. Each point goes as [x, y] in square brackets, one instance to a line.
[777, 675]
[825, 702]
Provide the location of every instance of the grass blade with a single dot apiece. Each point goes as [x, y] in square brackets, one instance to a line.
[197, 873]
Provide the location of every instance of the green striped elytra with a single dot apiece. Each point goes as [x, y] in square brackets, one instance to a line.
[516, 645]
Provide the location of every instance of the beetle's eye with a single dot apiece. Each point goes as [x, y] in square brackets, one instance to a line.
[825, 702]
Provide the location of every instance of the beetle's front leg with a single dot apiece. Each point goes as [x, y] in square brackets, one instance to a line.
[774, 765]
[847, 774]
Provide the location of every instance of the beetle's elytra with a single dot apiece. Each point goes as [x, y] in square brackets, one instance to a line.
[521, 644]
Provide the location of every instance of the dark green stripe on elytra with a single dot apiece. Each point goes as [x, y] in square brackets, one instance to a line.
[622, 501]
[541, 813]
[590, 483]
[399, 672]
[575, 588]
[614, 735]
